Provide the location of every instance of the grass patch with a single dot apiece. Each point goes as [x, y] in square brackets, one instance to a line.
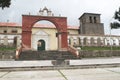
[7, 48]
[99, 48]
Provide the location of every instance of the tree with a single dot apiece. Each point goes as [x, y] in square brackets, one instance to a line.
[116, 24]
[5, 3]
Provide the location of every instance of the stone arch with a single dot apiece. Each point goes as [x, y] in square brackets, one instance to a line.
[92, 41]
[60, 22]
[99, 42]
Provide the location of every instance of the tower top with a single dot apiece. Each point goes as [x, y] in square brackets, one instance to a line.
[84, 14]
[45, 12]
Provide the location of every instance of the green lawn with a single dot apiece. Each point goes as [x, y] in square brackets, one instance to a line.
[7, 48]
[99, 48]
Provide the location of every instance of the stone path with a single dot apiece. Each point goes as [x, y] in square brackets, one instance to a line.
[36, 63]
[71, 74]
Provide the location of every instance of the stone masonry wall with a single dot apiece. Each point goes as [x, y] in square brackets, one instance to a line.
[7, 55]
[94, 54]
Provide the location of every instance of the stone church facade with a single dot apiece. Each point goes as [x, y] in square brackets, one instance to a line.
[90, 32]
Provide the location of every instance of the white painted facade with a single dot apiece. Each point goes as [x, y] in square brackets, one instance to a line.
[40, 35]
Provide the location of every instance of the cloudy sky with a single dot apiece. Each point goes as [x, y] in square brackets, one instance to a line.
[72, 9]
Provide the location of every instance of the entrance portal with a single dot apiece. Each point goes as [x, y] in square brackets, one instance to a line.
[61, 25]
[41, 45]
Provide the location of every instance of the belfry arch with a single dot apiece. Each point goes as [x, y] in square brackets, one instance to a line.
[60, 22]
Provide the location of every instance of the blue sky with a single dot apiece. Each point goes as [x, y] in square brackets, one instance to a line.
[72, 9]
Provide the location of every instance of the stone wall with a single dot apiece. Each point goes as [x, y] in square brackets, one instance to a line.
[95, 29]
[95, 54]
[7, 55]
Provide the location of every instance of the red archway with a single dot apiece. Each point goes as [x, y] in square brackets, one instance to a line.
[60, 22]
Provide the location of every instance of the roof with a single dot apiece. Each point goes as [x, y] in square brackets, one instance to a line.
[12, 24]
[89, 14]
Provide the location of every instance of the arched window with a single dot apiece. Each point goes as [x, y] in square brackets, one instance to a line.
[90, 18]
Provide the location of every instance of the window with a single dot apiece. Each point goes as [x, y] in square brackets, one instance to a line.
[14, 31]
[90, 18]
[95, 21]
[5, 31]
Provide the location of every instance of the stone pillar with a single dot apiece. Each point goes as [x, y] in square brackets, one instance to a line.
[18, 41]
[0, 40]
[64, 43]
[5, 40]
[119, 42]
[88, 41]
[78, 42]
[26, 38]
[72, 42]
[82, 42]
[95, 42]
[102, 44]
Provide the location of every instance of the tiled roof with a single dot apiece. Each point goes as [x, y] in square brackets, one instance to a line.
[12, 24]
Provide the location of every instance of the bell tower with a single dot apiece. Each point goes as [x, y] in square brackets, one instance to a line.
[90, 23]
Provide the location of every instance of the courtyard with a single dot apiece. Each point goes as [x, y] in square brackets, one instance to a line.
[71, 74]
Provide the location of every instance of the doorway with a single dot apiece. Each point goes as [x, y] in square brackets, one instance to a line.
[41, 45]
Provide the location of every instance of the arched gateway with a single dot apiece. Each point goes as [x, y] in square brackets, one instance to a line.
[61, 25]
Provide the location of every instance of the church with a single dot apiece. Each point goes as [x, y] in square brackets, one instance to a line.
[90, 32]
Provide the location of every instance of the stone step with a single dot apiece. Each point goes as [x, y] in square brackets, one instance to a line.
[46, 55]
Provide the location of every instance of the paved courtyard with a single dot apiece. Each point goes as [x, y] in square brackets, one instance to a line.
[112, 73]
[71, 74]
[36, 63]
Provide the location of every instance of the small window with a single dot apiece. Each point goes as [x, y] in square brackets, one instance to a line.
[14, 31]
[95, 21]
[5, 31]
[90, 18]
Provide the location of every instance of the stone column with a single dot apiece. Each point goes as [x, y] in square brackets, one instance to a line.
[82, 42]
[26, 38]
[102, 44]
[5, 40]
[0, 40]
[119, 41]
[95, 42]
[88, 41]
[18, 41]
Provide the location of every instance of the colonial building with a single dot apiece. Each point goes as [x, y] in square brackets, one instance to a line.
[10, 35]
[89, 33]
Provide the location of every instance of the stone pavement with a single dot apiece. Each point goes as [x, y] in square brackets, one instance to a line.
[71, 74]
[98, 61]
[112, 73]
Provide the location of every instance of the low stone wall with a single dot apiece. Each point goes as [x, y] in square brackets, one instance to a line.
[94, 54]
[7, 55]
